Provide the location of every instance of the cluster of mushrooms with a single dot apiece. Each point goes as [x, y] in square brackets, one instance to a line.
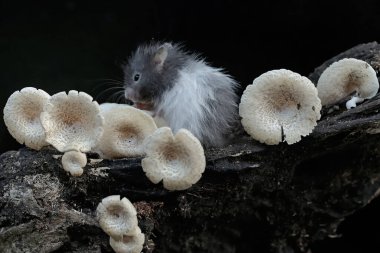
[282, 106]
[279, 106]
[75, 124]
[118, 218]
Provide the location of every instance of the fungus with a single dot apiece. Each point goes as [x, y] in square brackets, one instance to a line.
[160, 122]
[345, 78]
[22, 116]
[129, 243]
[125, 130]
[72, 121]
[117, 217]
[278, 106]
[178, 161]
[73, 162]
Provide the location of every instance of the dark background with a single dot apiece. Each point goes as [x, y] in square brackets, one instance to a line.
[63, 45]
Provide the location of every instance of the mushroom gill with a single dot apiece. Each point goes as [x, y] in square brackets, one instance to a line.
[178, 160]
[280, 106]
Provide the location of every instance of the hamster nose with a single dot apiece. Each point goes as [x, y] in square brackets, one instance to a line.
[130, 94]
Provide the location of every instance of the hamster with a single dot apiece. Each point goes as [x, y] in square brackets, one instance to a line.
[184, 90]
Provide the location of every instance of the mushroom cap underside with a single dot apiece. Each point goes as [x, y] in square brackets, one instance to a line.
[280, 105]
[178, 160]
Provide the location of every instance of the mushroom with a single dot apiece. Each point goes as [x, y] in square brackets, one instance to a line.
[125, 130]
[117, 217]
[345, 78]
[22, 116]
[160, 122]
[72, 121]
[278, 106]
[178, 161]
[129, 243]
[73, 162]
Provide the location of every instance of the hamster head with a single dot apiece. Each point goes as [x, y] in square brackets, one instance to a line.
[149, 72]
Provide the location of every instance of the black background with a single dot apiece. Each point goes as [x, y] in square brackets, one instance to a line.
[63, 45]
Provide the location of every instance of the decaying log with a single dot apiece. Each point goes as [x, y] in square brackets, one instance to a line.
[251, 198]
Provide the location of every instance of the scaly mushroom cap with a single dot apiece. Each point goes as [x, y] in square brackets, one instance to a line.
[178, 161]
[280, 105]
[22, 116]
[346, 77]
[72, 121]
[117, 217]
[129, 243]
[74, 162]
[125, 130]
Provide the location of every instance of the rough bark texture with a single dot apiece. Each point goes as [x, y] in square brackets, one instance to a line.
[251, 198]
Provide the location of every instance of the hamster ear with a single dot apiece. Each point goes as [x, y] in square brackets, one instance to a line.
[160, 56]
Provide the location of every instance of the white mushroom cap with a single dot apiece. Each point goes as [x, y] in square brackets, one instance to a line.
[117, 217]
[130, 243]
[72, 121]
[22, 116]
[178, 161]
[345, 77]
[125, 130]
[74, 162]
[160, 122]
[280, 105]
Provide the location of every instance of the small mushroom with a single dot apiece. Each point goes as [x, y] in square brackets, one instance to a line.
[345, 78]
[117, 217]
[22, 116]
[178, 161]
[125, 130]
[278, 106]
[73, 162]
[72, 121]
[129, 243]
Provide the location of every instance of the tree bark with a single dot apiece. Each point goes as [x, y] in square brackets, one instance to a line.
[251, 197]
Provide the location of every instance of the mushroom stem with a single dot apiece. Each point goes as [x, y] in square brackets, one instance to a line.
[352, 102]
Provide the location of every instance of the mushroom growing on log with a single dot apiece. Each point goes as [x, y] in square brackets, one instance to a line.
[251, 197]
[22, 116]
[347, 77]
[280, 105]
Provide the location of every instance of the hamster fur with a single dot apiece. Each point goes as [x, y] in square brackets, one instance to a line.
[182, 89]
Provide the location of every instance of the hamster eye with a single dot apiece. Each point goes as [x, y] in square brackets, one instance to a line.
[136, 77]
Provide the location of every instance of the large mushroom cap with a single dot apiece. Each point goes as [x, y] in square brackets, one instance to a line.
[72, 121]
[22, 116]
[280, 105]
[129, 243]
[117, 217]
[125, 130]
[346, 77]
[178, 161]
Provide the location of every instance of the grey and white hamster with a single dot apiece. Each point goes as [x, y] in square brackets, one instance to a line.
[182, 89]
